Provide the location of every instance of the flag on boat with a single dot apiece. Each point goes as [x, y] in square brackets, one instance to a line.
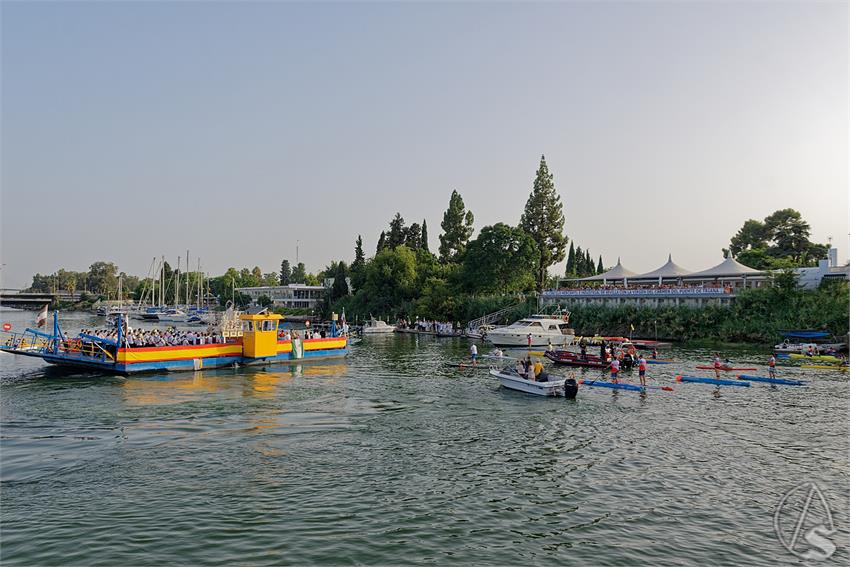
[632, 326]
[42, 316]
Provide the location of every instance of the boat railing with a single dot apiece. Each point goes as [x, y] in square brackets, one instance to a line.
[25, 341]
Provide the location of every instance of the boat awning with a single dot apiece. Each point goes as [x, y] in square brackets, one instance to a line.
[806, 334]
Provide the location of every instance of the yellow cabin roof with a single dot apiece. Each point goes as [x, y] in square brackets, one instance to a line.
[260, 317]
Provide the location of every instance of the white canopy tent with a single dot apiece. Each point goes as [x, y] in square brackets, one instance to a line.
[669, 271]
[617, 273]
[727, 269]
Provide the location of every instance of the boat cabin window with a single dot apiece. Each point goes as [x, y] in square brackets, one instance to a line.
[536, 324]
[565, 327]
[247, 325]
[553, 327]
[268, 325]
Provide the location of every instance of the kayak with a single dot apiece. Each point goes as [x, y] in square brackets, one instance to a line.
[703, 380]
[826, 367]
[817, 357]
[724, 368]
[612, 385]
[658, 361]
[781, 381]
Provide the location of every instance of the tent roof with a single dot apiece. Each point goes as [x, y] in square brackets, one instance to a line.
[618, 272]
[727, 268]
[669, 270]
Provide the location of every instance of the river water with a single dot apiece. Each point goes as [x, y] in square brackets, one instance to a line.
[391, 457]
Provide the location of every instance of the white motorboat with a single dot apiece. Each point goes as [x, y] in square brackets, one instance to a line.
[542, 330]
[513, 381]
[172, 316]
[376, 327]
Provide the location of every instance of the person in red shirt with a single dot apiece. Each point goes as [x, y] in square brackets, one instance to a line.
[771, 366]
[642, 370]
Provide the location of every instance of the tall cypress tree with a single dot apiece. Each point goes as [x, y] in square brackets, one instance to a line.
[543, 220]
[285, 272]
[358, 266]
[397, 232]
[457, 228]
[599, 267]
[578, 267]
[382, 242]
[571, 261]
[424, 237]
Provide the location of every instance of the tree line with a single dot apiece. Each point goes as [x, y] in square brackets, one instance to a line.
[503, 262]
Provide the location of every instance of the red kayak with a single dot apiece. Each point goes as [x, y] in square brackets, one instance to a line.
[724, 368]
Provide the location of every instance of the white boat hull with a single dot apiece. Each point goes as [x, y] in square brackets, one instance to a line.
[377, 330]
[520, 339]
[515, 382]
[802, 348]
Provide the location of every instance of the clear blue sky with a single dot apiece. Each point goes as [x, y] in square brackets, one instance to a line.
[132, 130]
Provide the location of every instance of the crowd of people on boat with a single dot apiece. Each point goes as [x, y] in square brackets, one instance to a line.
[143, 338]
[428, 326]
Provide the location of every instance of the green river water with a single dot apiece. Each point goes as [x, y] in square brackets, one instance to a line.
[390, 457]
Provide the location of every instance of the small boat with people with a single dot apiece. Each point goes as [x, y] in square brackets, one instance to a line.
[535, 330]
[809, 341]
[512, 380]
[570, 358]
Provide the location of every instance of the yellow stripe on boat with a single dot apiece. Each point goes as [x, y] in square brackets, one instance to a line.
[155, 354]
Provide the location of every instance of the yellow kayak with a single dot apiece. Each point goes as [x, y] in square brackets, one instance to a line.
[818, 357]
[826, 367]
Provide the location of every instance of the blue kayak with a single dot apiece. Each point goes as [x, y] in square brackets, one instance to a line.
[781, 381]
[633, 387]
[652, 361]
[715, 381]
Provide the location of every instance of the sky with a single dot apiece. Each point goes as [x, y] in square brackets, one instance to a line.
[241, 131]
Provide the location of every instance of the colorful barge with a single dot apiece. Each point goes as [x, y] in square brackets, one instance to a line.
[259, 344]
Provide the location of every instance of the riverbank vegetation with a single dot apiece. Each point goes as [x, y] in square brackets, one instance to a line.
[757, 315]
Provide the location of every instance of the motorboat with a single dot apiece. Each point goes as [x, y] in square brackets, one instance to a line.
[172, 316]
[535, 330]
[376, 327]
[570, 358]
[510, 379]
[800, 342]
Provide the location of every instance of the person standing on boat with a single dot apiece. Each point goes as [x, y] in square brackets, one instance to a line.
[642, 370]
[771, 366]
[473, 354]
[615, 369]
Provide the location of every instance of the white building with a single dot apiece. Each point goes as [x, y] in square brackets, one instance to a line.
[293, 296]
[828, 268]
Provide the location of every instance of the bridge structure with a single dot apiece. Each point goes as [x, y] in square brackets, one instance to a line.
[34, 300]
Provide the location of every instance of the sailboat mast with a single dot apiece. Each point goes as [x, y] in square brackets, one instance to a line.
[187, 278]
[162, 283]
[200, 283]
[177, 285]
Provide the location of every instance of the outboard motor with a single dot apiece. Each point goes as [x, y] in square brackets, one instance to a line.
[570, 389]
